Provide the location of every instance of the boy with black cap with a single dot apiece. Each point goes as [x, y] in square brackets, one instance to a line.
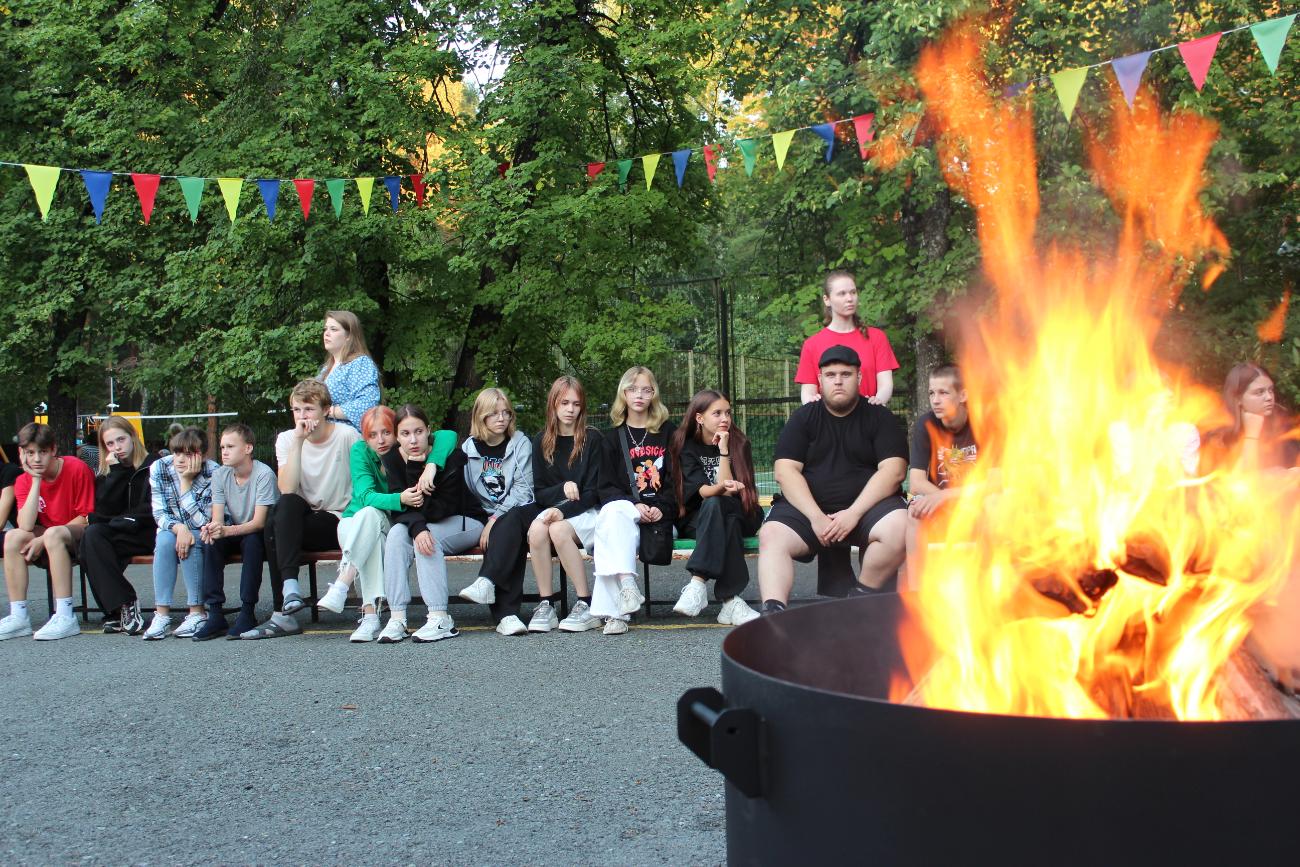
[840, 462]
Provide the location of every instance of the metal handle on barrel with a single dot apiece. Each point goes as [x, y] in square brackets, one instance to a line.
[727, 739]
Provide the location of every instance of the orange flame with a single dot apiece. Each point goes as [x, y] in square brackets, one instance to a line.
[1083, 571]
[1270, 330]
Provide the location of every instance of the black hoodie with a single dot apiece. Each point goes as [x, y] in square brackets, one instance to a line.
[124, 493]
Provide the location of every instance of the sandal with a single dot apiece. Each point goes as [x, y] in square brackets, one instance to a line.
[271, 629]
[293, 602]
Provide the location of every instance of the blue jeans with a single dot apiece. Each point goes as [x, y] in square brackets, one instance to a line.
[252, 552]
[165, 564]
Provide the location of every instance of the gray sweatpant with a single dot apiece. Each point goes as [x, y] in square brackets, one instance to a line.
[450, 536]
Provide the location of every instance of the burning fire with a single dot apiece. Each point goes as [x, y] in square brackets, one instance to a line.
[1084, 571]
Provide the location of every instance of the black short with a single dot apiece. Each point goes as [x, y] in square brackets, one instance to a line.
[785, 513]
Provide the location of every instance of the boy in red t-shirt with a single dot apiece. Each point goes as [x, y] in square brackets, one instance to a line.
[54, 496]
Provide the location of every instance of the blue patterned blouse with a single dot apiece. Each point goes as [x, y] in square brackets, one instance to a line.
[354, 388]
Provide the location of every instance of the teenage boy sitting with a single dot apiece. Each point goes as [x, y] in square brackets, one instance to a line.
[315, 482]
[54, 497]
[243, 492]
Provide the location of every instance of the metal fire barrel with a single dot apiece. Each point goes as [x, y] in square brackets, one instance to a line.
[821, 767]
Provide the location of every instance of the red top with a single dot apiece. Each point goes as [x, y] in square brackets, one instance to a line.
[71, 494]
[874, 350]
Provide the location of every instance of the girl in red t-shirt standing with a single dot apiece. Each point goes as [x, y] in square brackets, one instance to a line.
[845, 328]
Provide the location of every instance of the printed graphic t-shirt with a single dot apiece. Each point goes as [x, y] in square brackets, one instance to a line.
[491, 477]
[945, 455]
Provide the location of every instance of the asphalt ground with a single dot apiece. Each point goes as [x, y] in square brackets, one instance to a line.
[544, 749]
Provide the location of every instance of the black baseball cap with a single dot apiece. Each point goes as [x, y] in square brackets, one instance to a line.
[840, 355]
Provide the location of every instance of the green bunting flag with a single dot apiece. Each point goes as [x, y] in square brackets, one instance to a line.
[192, 189]
[624, 169]
[1068, 83]
[781, 145]
[364, 187]
[749, 150]
[1270, 36]
[44, 179]
[230, 188]
[650, 162]
[336, 187]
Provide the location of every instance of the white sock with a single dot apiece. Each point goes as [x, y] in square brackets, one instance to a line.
[291, 586]
[341, 585]
[18, 609]
[437, 615]
[398, 614]
[63, 606]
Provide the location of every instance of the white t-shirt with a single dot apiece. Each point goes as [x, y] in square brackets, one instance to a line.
[325, 477]
[242, 500]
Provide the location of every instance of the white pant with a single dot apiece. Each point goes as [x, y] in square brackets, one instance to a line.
[618, 535]
[361, 537]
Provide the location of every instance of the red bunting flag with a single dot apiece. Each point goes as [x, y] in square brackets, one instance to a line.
[594, 169]
[1197, 55]
[711, 161]
[146, 187]
[417, 181]
[305, 187]
[502, 168]
[862, 128]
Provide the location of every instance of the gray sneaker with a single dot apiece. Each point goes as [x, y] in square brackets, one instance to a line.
[580, 619]
[544, 618]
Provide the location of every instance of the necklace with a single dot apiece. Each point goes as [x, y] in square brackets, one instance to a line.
[645, 434]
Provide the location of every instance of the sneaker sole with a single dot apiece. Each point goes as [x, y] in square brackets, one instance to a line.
[576, 629]
[323, 607]
[687, 613]
[55, 637]
[10, 635]
[452, 634]
[482, 601]
[384, 639]
[544, 629]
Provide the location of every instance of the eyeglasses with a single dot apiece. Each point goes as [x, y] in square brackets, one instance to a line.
[505, 414]
[645, 391]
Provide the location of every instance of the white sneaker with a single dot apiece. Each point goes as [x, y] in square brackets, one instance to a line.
[511, 625]
[736, 611]
[367, 630]
[190, 625]
[580, 619]
[159, 627]
[436, 630]
[481, 591]
[629, 597]
[544, 618]
[394, 631]
[615, 626]
[334, 599]
[15, 626]
[58, 626]
[693, 600]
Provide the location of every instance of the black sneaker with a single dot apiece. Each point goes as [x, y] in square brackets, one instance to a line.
[771, 606]
[112, 627]
[132, 621]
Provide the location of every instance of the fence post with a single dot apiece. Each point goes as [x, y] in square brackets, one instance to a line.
[690, 372]
[786, 382]
[744, 393]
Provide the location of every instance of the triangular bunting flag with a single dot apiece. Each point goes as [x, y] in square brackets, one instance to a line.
[1128, 71]
[44, 179]
[394, 184]
[146, 187]
[336, 187]
[1197, 55]
[97, 184]
[827, 133]
[749, 150]
[780, 145]
[192, 189]
[680, 159]
[711, 161]
[305, 187]
[862, 129]
[650, 162]
[1011, 91]
[417, 183]
[624, 169]
[230, 188]
[1270, 36]
[1068, 83]
[594, 169]
[365, 186]
[270, 190]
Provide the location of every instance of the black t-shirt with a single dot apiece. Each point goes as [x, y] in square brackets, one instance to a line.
[9, 474]
[840, 454]
[549, 477]
[945, 455]
[699, 466]
[651, 465]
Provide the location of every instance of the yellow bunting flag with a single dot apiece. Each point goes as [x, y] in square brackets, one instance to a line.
[1068, 84]
[650, 162]
[44, 179]
[364, 187]
[781, 144]
[230, 188]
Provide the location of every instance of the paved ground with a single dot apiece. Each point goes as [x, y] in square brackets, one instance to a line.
[546, 749]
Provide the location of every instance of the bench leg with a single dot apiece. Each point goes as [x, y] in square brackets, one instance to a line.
[563, 584]
[49, 591]
[311, 579]
[85, 597]
[645, 577]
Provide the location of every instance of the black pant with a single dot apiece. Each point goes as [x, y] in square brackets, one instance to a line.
[504, 559]
[291, 528]
[719, 529]
[104, 554]
[252, 553]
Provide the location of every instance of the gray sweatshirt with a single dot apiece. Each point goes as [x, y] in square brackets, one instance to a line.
[500, 488]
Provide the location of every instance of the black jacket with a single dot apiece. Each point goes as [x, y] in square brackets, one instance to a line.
[615, 484]
[451, 496]
[124, 492]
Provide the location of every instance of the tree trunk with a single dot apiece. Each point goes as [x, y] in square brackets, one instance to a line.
[63, 416]
[925, 230]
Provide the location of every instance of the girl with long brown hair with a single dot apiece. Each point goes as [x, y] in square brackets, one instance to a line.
[713, 474]
[348, 371]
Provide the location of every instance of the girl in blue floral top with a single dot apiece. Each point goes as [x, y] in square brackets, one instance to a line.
[349, 372]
